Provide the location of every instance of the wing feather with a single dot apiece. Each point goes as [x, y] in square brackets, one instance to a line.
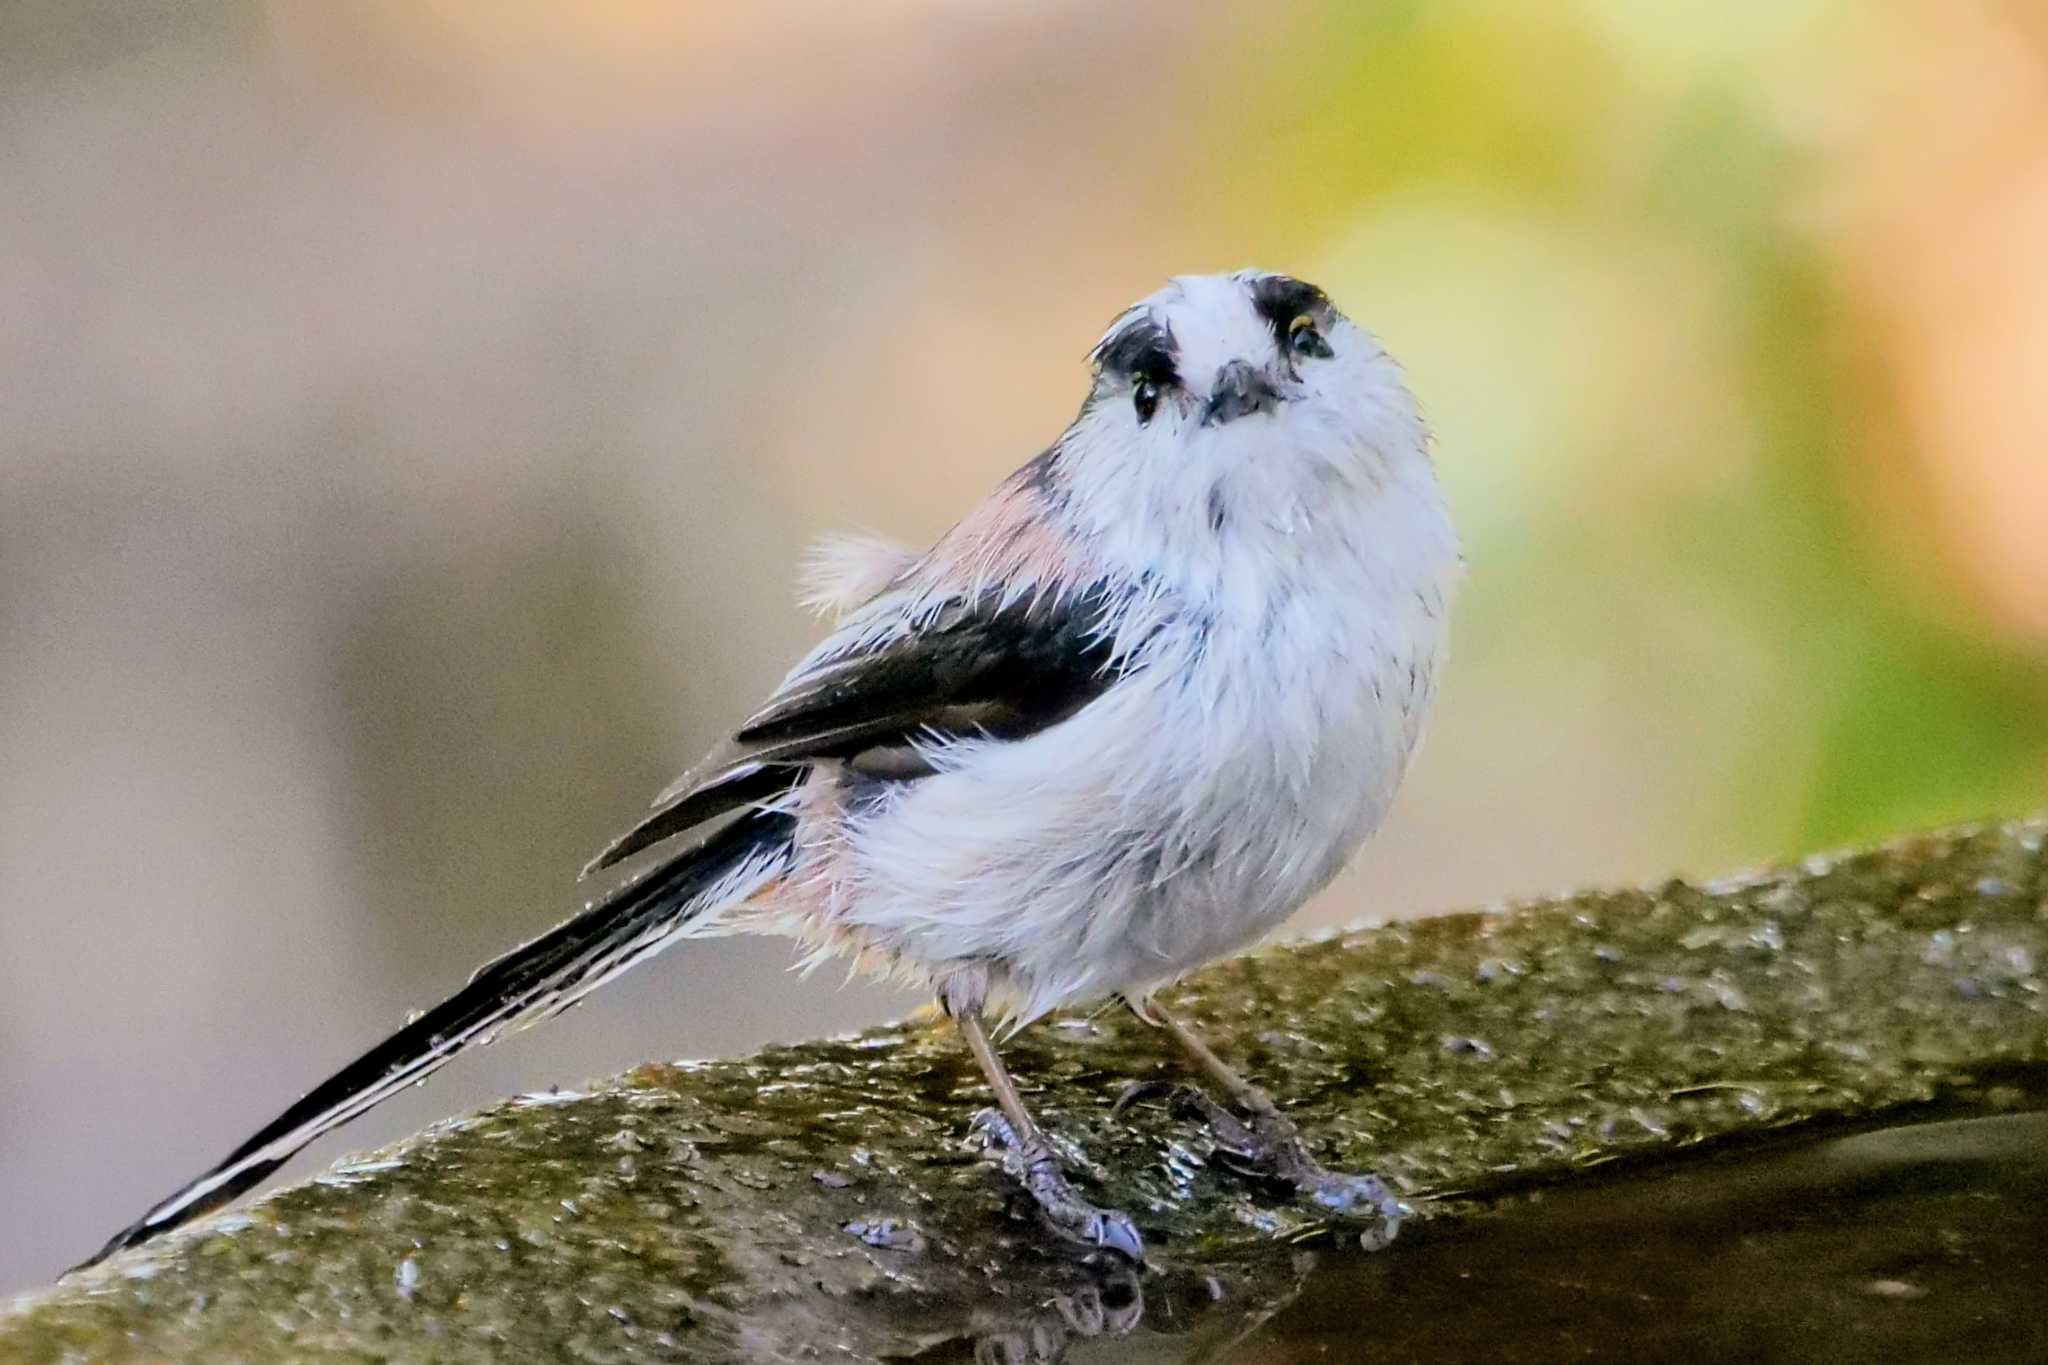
[984, 665]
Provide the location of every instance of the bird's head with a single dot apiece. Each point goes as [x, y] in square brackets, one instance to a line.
[1247, 388]
[1209, 350]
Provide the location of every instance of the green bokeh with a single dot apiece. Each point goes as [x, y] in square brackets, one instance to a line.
[1581, 224]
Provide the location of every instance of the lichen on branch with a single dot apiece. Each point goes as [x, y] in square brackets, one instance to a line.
[829, 1196]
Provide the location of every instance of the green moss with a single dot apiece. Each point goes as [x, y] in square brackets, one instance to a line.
[698, 1211]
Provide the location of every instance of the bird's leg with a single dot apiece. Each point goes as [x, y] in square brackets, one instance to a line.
[1254, 1136]
[1029, 1158]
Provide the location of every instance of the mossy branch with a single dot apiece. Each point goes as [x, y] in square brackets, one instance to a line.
[823, 1201]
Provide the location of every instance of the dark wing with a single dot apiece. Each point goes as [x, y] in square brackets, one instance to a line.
[981, 667]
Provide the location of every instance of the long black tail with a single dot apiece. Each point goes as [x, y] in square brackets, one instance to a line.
[530, 983]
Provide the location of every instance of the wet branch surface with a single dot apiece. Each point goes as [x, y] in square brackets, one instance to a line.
[826, 1201]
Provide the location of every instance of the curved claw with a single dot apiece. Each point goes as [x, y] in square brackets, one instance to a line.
[1343, 1192]
[994, 1127]
[1379, 1234]
[1034, 1165]
[1114, 1231]
[1073, 1217]
[1267, 1144]
[1139, 1091]
[1361, 1196]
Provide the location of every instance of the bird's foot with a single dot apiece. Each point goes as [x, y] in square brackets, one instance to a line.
[1262, 1142]
[1034, 1165]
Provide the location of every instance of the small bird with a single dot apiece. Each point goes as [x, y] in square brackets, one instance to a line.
[1124, 718]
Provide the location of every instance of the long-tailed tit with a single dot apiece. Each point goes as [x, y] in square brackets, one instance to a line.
[1123, 718]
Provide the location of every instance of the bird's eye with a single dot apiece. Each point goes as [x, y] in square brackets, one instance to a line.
[1304, 339]
[1145, 398]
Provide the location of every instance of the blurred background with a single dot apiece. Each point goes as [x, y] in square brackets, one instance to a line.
[411, 413]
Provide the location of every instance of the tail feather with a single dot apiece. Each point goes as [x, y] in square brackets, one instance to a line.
[530, 983]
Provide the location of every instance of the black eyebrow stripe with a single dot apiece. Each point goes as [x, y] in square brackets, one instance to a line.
[1280, 299]
[1144, 347]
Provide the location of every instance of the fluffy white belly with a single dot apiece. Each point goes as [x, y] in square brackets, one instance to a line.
[1179, 817]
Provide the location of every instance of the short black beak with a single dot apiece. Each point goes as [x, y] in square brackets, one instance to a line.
[1241, 387]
